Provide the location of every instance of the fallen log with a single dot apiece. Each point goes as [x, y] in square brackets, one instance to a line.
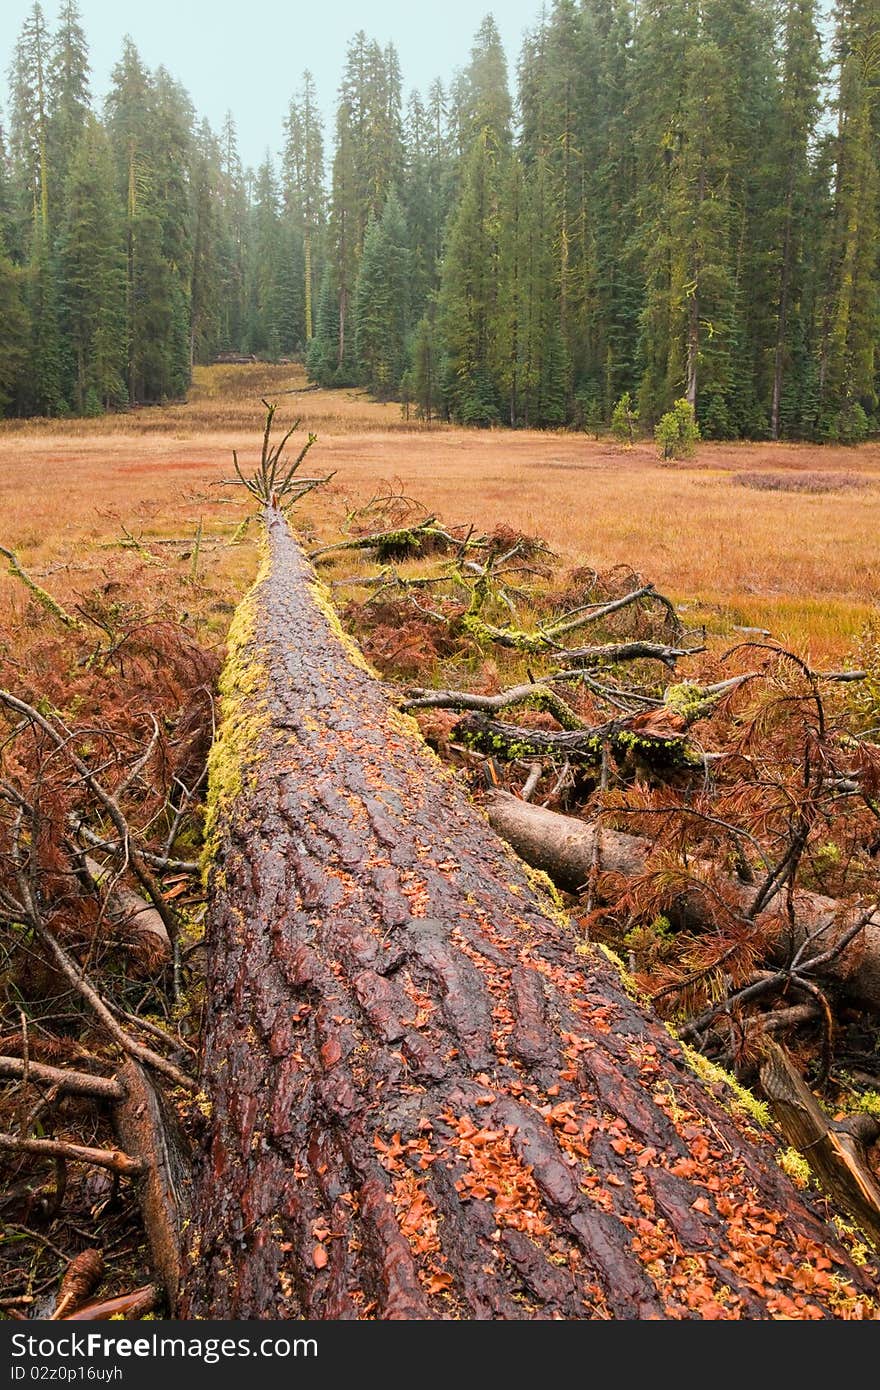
[423, 1102]
[566, 849]
[137, 916]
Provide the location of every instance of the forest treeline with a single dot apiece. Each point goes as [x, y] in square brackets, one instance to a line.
[675, 198]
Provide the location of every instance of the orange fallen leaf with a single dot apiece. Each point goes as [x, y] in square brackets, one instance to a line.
[438, 1283]
[319, 1257]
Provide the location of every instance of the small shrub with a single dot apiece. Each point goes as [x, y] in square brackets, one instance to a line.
[678, 431]
[623, 420]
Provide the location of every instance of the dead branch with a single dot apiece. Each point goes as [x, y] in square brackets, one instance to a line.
[44, 599]
[147, 1125]
[128, 1306]
[132, 1048]
[275, 482]
[156, 861]
[659, 743]
[535, 696]
[139, 865]
[66, 1082]
[611, 652]
[546, 639]
[402, 539]
[113, 1159]
[134, 913]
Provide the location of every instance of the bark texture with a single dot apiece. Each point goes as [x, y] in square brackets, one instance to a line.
[425, 1102]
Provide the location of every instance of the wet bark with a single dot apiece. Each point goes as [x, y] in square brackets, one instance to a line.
[425, 1102]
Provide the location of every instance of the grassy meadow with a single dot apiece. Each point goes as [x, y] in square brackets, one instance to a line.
[775, 536]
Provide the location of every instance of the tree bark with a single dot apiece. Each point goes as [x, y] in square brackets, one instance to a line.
[425, 1102]
[566, 850]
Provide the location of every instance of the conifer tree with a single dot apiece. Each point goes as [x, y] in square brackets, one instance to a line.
[304, 188]
[69, 96]
[92, 267]
[848, 376]
[382, 308]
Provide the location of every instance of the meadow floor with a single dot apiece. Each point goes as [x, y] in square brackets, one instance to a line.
[778, 536]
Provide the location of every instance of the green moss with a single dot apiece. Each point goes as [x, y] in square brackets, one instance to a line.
[324, 603]
[626, 978]
[866, 1102]
[741, 1099]
[551, 898]
[44, 599]
[795, 1165]
[243, 717]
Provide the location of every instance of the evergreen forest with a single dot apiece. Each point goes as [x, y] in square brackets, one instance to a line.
[669, 199]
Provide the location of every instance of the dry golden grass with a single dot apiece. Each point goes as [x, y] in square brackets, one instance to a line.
[800, 563]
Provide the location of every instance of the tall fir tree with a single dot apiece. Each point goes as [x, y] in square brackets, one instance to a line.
[92, 267]
[304, 188]
[382, 310]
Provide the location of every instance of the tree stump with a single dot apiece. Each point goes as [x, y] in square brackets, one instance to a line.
[427, 1100]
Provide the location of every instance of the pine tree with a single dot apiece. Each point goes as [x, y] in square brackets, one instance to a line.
[687, 232]
[469, 289]
[29, 130]
[15, 338]
[852, 310]
[69, 97]
[209, 246]
[382, 308]
[263, 267]
[800, 108]
[149, 119]
[322, 356]
[304, 188]
[231, 251]
[92, 268]
[425, 372]
[485, 97]
[369, 155]
[471, 317]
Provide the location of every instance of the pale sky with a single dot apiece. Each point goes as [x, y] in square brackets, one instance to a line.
[247, 55]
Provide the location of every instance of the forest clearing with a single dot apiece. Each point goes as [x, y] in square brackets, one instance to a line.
[790, 549]
[141, 544]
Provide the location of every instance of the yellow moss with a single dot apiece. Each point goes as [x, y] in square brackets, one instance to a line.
[851, 1237]
[548, 894]
[324, 603]
[406, 725]
[626, 978]
[795, 1165]
[242, 718]
[203, 1104]
[867, 1103]
[850, 1303]
[741, 1099]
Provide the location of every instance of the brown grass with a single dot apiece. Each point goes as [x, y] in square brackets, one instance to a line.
[799, 562]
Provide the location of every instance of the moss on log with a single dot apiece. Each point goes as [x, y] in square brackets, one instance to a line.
[425, 1103]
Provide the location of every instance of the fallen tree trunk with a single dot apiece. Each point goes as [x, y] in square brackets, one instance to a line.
[425, 1104]
[570, 851]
